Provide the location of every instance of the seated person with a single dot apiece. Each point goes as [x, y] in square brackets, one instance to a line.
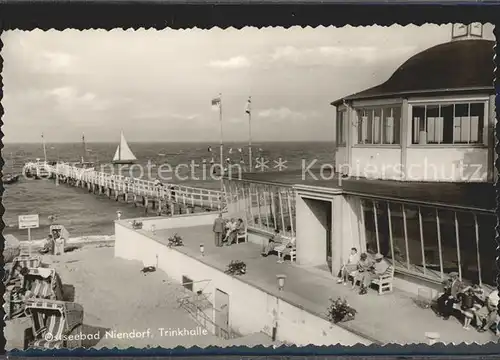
[240, 227]
[274, 241]
[48, 246]
[364, 264]
[445, 303]
[350, 266]
[284, 249]
[487, 315]
[468, 304]
[376, 270]
[230, 231]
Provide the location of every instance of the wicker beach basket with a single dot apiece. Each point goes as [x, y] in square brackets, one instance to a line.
[12, 248]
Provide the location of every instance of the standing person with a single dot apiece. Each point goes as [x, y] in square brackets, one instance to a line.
[350, 266]
[218, 230]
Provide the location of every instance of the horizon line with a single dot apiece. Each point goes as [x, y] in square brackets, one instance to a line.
[170, 142]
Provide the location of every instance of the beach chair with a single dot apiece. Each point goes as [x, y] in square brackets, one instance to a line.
[20, 262]
[42, 283]
[62, 320]
[384, 282]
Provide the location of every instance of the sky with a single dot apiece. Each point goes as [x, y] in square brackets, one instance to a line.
[158, 85]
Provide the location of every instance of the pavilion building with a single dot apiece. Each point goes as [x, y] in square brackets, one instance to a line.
[416, 157]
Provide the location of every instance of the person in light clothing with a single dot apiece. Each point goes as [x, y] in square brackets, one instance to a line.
[230, 231]
[487, 315]
[274, 241]
[349, 267]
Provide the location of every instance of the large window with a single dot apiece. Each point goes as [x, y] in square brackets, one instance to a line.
[379, 125]
[432, 242]
[459, 123]
[266, 207]
[341, 127]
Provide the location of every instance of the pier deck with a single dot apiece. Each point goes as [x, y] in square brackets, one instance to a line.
[162, 197]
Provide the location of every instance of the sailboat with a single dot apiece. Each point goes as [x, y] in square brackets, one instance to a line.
[123, 154]
[87, 165]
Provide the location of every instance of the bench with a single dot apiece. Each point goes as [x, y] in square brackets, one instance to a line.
[243, 236]
[292, 251]
[384, 282]
[288, 251]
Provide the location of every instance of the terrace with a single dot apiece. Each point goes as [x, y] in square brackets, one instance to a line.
[311, 288]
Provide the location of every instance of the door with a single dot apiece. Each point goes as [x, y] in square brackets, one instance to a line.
[329, 235]
[221, 306]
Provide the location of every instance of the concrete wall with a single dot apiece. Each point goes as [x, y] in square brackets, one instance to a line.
[295, 326]
[376, 162]
[177, 221]
[457, 164]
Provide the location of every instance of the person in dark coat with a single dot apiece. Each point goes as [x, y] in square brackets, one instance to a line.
[218, 230]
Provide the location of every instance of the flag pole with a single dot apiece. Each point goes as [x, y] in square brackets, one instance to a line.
[221, 153]
[250, 134]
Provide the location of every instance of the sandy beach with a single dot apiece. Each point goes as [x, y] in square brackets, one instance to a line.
[117, 297]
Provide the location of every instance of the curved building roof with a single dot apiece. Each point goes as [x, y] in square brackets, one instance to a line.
[465, 65]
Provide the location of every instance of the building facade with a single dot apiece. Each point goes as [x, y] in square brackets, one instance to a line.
[432, 122]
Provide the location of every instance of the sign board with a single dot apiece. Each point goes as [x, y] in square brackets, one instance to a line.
[29, 221]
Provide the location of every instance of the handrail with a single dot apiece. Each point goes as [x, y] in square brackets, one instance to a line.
[182, 193]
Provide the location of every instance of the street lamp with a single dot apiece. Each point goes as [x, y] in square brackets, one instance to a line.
[281, 281]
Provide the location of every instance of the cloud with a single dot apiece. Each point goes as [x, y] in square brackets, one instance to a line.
[68, 98]
[284, 113]
[185, 116]
[236, 62]
[336, 55]
[54, 62]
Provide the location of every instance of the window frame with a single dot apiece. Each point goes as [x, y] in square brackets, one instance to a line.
[341, 127]
[378, 111]
[481, 130]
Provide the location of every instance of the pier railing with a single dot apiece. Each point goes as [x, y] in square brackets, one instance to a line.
[186, 195]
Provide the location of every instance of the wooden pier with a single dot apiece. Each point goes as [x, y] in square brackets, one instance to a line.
[168, 199]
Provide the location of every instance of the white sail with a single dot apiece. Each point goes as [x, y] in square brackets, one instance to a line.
[117, 154]
[123, 152]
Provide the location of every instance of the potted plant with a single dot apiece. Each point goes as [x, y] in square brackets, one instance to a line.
[236, 267]
[340, 311]
[175, 240]
[137, 224]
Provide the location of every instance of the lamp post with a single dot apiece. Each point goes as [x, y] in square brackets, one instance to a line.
[281, 281]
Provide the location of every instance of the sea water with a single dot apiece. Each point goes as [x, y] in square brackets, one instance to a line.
[85, 214]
